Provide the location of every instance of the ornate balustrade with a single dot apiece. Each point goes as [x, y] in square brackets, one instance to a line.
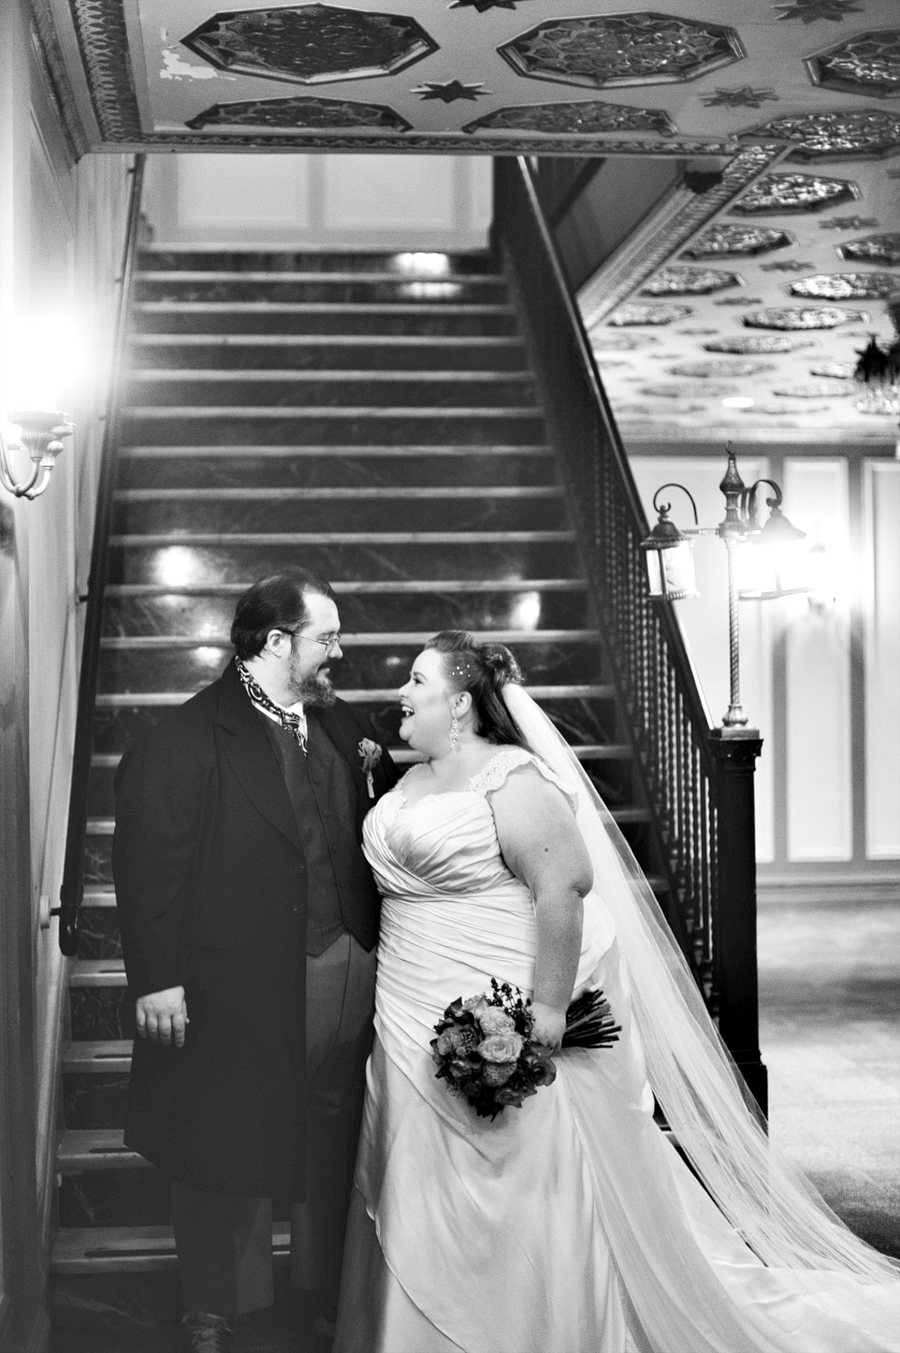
[697, 785]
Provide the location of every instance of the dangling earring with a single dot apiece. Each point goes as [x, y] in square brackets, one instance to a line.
[454, 734]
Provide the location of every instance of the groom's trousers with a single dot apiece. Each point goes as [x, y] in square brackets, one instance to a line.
[224, 1243]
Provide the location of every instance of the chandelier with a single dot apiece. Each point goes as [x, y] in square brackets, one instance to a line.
[877, 373]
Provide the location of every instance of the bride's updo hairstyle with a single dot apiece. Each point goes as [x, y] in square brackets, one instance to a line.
[482, 670]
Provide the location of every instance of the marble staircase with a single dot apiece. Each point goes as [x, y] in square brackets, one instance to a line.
[378, 420]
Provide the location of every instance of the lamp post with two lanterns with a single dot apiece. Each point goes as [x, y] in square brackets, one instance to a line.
[734, 745]
[670, 563]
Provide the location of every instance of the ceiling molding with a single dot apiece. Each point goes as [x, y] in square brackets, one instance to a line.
[682, 216]
[51, 62]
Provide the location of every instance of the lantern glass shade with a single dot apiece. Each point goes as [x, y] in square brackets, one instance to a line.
[767, 572]
[670, 572]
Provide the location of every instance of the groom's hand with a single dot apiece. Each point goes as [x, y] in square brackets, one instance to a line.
[162, 1016]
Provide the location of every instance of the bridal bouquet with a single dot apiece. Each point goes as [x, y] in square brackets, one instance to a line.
[485, 1052]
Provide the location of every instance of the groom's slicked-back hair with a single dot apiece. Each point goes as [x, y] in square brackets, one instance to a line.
[274, 603]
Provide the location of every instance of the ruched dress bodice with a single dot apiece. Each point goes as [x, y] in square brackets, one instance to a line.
[453, 914]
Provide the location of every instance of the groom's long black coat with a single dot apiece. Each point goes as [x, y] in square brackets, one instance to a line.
[211, 889]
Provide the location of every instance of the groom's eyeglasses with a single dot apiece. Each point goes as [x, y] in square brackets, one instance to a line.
[328, 641]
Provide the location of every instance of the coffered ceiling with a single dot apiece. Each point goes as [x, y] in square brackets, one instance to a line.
[762, 286]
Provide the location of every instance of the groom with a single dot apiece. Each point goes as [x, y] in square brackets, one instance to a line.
[249, 919]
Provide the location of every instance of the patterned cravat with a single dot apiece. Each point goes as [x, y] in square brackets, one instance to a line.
[293, 723]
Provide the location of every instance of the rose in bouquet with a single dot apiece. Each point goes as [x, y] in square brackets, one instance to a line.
[485, 1052]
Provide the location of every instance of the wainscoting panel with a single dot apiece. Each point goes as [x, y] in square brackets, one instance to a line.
[817, 657]
[881, 612]
[242, 192]
[390, 192]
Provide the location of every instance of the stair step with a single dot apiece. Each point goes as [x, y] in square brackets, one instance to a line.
[131, 1249]
[306, 411]
[98, 972]
[499, 492]
[322, 308]
[292, 452]
[101, 897]
[95, 972]
[97, 1057]
[332, 340]
[96, 1149]
[302, 539]
[401, 756]
[294, 376]
[377, 695]
[412, 639]
[424, 262]
[238, 275]
[360, 588]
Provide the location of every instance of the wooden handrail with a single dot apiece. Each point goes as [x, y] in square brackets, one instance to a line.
[72, 887]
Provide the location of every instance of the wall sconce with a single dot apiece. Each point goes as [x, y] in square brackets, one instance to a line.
[670, 566]
[42, 435]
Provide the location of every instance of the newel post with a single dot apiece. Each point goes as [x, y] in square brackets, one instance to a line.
[734, 944]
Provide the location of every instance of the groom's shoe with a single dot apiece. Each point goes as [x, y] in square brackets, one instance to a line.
[205, 1332]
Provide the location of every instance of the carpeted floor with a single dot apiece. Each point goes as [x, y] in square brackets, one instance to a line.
[830, 1036]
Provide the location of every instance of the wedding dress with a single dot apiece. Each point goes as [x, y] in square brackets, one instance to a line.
[571, 1225]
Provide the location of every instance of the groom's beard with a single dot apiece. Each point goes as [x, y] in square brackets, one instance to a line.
[316, 692]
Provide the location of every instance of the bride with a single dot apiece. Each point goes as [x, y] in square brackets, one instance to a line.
[571, 1225]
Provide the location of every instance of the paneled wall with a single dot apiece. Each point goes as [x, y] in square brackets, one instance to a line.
[818, 672]
[377, 202]
[61, 231]
[880, 590]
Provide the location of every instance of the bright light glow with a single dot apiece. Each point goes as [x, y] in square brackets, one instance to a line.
[423, 265]
[178, 566]
[764, 572]
[50, 364]
[430, 291]
[210, 657]
[526, 611]
[823, 583]
[738, 402]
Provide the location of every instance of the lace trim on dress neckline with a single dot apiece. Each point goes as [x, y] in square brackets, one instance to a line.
[488, 779]
[495, 772]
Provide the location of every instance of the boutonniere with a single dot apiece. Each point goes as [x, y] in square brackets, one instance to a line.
[371, 755]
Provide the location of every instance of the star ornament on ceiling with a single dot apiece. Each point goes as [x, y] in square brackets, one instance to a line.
[809, 11]
[449, 92]
[745, 97]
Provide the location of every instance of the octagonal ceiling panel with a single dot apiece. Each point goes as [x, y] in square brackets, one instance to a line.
[867, 63]
[838, 134]
[624, 49]
[777, 194]
[288, 114]
[310, 44]
[681, 281]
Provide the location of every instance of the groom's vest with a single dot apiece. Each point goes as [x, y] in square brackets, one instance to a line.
[341, 890]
